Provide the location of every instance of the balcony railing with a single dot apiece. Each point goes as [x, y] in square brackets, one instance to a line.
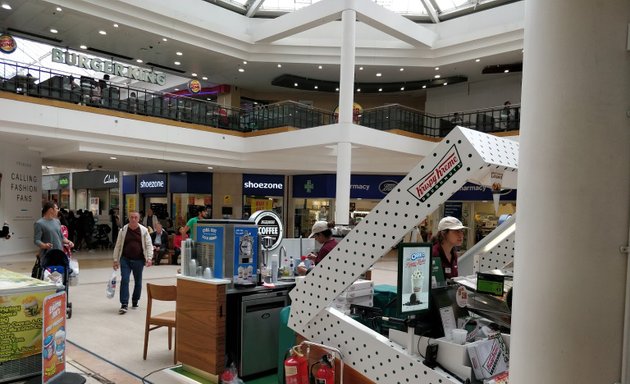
[46, 83]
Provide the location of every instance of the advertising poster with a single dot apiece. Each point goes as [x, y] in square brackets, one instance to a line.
[215, 236]
[54, 337]
[94, 202]
[414, 276]
[21, 303]
[130, 204]
[20, 197]
[245, 254]
[261, 205]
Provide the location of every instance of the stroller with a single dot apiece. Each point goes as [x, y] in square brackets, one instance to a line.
[100, 237]
[56, 260]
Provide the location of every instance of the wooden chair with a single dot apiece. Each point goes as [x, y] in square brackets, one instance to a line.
[164, 319]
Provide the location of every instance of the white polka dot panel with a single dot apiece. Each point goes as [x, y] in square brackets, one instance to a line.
[461, 156]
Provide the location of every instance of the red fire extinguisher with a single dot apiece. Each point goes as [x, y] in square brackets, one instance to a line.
[326, 372]
[296, 368]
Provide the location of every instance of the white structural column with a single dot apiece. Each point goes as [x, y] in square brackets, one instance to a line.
[346, 100]
[573, 194]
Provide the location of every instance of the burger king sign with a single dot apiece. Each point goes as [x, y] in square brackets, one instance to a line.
[7, 44]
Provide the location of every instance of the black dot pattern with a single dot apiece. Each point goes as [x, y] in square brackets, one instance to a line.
[428, 185]
[499, 256]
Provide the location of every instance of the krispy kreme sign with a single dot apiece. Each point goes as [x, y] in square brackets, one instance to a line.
[432, 181]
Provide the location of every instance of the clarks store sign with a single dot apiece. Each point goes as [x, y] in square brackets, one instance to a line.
[109, 67]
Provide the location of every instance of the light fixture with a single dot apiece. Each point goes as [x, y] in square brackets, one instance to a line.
[177, 63]
[6, 6]
[358, 89]
[53, 30]
[295, 84]
[402, 88]
[204, 78]
[59, 9]
[112, 157]
[437, 68]
[380, 89]
[82, 46]
[360, 68]
[115, 25]
[160, 170]
[164, 39]
[337, 89]
[279, 65]
[379, 74]
[437, 76]
[477, 60]
[506, 71]
[193, 74]
[319, 67]
[445, 84]
[402, 69]
[138, 60]
[176, 89]
[241, 70]
[316, 87]
[210, 167]
[245, 62]
[102, 32]
[424, 86]
[178, 53]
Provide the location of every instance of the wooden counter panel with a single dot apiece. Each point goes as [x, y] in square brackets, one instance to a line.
[201, 325]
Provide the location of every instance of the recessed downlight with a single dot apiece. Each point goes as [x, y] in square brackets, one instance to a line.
[316, 87]
[437, 68]
[138, 60]
[360, 68]
[102, 32]
[161, 170]
[58, 9]
[445, 84]
[319, 67]
[241, 70]
[204, 78]
[115, 25]
[53, 30]
[379, 74]
[176, 89]
[358, 89]
[402, 88]
[477, 60]
[437, 76]
[210, 167]
[193, 74]
[279, 65]
[112, 157]
[177, 63]
[82, 46]
[337, 89]
[178, 53]
[6, 6]
[295, 84]
[245, 62]
[424, 86]
[164, 39]
[506, 71]
[402, 69]
[380, 89]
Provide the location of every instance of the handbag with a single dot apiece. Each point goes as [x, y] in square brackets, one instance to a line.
[37, 272]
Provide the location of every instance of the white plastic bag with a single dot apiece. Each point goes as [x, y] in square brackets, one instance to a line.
[74, 267]
[111, 286]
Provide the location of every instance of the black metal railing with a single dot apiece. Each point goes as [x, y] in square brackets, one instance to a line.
[46, 83]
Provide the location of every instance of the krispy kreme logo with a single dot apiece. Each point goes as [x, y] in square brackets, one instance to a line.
[444, 170]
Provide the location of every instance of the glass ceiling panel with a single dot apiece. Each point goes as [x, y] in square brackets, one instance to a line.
[405, 7]
[286, 5]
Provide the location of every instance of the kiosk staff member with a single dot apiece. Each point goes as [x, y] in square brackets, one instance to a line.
[450, 236]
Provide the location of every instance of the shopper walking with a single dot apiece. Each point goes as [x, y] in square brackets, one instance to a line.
[133, 251]
[450, 236]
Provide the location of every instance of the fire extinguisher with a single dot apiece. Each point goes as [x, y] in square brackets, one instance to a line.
[296, 367]
[325, 373]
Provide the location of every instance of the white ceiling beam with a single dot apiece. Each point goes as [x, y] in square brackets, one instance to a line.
[253, 7]
[431, 11]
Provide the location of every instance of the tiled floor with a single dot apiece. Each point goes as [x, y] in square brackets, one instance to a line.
[96, 363]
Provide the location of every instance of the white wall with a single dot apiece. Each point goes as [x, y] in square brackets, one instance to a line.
[20, 198]
[475, 95]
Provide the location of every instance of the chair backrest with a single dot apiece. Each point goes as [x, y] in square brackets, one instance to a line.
[161, 292]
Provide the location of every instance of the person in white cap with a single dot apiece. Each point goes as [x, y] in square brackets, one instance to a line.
[322, 233]
[450, 236]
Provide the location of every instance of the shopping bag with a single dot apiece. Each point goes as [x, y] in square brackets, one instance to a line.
[37, 272]
[73, 279]
[111, 286]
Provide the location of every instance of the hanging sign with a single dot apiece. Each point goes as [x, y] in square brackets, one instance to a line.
[7, 44]
[194, 86]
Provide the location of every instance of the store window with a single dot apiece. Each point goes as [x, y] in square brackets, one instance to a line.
[184, 206]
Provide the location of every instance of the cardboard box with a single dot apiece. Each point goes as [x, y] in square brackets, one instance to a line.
[489, 357]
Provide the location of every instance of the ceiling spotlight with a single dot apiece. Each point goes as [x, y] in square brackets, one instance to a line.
[402, 69]
[380, 89]
[58, 9]
[379, 74]
[112, 157]
[245, 62]
[241, 70]
[164, 39]
[115, 25]
[360, 68]
[102, 32]
[160, 170]
[210, 167]
[445, 84]
[193, 74]
[506, 71]
[6, 6]
[319, 67]
[175, 89]
[402, 88]
[204, 78]
[437, 76]
[295, 84]
[178, 53]
[477, 60]
[316, 87]
[138, 60]
[337, 89]
[177, 63]
[424, 86]
[279, 65]
[82, 46]
[437, 68]
[358, 89]
[53, 30]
